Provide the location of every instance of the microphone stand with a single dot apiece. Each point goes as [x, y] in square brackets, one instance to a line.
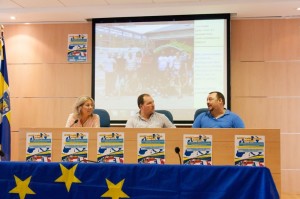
[74, 123]
[177, 150]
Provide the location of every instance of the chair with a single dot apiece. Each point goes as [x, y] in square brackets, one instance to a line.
[199, 111]
[104, 117]
[167, 113]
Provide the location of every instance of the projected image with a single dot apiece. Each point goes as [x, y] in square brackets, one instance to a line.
[133, 59]
[177, 62]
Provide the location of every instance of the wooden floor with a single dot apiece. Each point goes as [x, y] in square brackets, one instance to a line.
[288, 196]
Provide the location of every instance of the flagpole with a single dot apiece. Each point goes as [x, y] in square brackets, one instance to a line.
[1, 30]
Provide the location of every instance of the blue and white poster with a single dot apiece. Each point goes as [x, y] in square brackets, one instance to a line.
[249, 150]
[110, 147]
[77, 47]
[74, 146]
[38, 146]
[197, 149]
[151, 148]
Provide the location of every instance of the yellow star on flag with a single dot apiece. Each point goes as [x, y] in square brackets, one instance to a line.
[115, 190]
[68, 176]
[22, 187]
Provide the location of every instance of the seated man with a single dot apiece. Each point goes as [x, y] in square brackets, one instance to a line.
[217, 116]
[147, 117]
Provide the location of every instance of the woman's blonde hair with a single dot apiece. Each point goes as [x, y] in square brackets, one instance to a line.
[79, 102]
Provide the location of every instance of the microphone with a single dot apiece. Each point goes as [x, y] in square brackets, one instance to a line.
[74, 123]
[177, 150]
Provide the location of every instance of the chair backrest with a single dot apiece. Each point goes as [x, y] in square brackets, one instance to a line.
[200, 110]
[104, 117]
[167, 113]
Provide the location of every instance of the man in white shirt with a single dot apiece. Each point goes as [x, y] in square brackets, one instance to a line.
[147, 117]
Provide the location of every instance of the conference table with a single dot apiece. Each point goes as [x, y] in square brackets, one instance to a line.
[141, 181]
[130, 179]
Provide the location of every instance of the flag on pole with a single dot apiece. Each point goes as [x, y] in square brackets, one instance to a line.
[4, 103]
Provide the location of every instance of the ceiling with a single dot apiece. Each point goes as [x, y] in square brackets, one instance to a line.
[68, 11]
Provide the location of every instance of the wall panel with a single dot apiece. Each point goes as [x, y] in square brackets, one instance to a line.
[259, 112]
[248, 40]
[264, 82]
[269, 112]
[50, 80]
[282, 39]
[42, 43]
[40, 112]
[290, 159]
[266, 79]
[290, 181]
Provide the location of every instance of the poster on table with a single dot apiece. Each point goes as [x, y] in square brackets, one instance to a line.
[249, 150]
[197, 149]
[38, 146]
[77, 47]
[110, 147]
[151, 148]
[74, 146]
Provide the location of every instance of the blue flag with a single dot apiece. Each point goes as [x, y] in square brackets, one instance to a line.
[4, 104]
[32, 180]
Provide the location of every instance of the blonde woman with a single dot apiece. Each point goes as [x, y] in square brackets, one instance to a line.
[83, 115]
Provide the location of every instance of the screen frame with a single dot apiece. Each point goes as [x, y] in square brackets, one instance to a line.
[225, 16]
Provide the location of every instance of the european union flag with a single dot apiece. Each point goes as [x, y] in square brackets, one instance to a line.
[4, 103]
[32, 180]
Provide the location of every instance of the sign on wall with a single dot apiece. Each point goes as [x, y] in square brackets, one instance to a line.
[77, 47]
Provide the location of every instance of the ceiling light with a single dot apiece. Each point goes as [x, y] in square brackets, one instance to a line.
[12, 17]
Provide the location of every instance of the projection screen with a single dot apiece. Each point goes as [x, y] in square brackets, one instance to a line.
[178, 60]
